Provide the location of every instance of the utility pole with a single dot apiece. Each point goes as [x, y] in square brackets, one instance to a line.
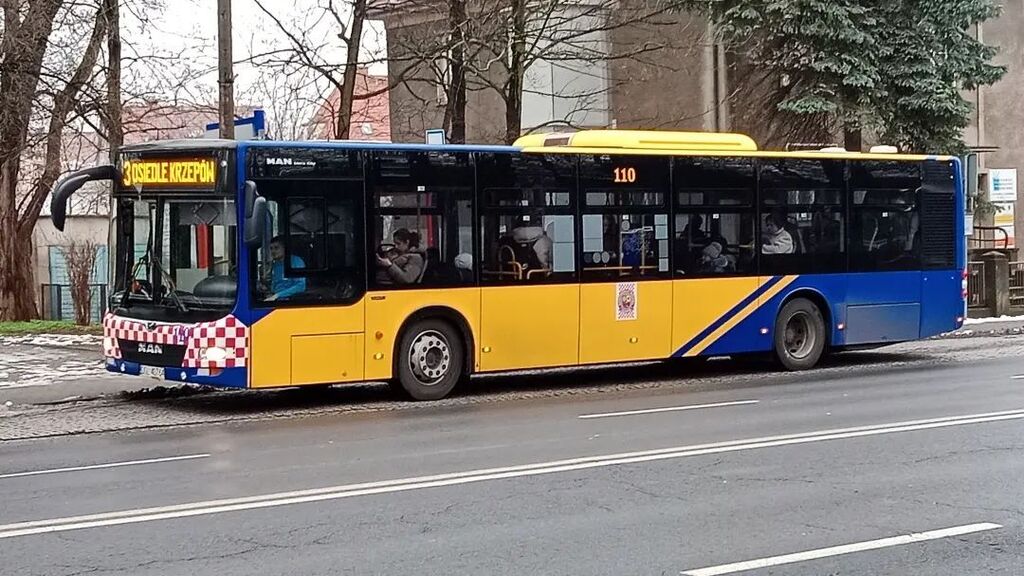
[226, 67]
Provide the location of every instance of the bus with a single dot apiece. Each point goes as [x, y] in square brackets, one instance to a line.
[258, 264]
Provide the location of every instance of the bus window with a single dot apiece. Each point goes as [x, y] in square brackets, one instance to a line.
[884, 222]
[714, 224]
[625, 217]
[422, 216]
[528, 217]
[802, 227]
[313, 252]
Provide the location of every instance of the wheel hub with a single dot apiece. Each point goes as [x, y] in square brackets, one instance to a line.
[799, 338]
[430, 357]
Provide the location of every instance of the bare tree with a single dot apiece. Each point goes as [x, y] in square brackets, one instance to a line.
[309, 49]
[81, 262]
[28, 27]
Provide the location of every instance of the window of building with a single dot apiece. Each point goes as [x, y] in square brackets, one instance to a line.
[884, 219]
[802, 224]
[625, 217]
[312, 252]
[714, 224]
[422, 218]
[528, 217]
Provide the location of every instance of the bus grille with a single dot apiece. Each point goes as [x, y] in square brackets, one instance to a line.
[152, 354]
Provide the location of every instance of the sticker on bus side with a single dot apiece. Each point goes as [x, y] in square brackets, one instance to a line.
[625, 301]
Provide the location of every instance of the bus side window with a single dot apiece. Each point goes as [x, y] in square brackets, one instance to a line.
[802, 216]
[884, 221]
[528, 218]
[312, 254]
[714, 232]
[421, 214]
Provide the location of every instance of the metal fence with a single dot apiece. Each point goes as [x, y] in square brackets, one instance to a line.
[976, 285]
[989, 238]
[56, 302]
[1016, 283]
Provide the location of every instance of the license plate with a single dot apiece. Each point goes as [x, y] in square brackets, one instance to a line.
[152, 372]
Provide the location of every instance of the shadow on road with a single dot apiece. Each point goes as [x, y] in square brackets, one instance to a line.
[740, 373]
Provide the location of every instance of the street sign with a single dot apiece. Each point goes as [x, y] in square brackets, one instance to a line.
[1002, 185]
[252, 128]
[436, 137]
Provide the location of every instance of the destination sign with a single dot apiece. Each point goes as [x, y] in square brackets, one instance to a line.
[175, 172]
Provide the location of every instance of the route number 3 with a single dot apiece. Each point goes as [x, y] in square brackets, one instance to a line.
[625, 175]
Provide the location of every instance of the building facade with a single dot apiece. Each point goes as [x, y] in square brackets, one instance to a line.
[660, 72]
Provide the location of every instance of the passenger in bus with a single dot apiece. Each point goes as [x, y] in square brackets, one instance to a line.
[775, 239]
[714, 260]
[693, 233]
[403, 264]
[464, 266]
[280, 285]
[530, 232]
[825, 235]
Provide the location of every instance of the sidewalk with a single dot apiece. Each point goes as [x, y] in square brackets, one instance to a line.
[50, 368]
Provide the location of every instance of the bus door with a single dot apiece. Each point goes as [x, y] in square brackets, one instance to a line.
[309, 276]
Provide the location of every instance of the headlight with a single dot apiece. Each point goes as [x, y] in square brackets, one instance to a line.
[214, 354]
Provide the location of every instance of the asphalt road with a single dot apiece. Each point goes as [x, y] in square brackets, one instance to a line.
[801, 475]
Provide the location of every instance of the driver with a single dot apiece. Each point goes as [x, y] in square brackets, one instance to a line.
[280, 285]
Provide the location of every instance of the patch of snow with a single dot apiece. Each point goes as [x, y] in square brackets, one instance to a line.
[57, 340]
[974, 321]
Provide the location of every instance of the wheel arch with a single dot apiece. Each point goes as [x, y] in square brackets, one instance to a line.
[816, 298]
[447, 314]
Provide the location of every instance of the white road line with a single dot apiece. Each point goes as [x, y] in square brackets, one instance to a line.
[1017, 377]
[839, 550]
[667, 409]
[474, 476]
[102, 466]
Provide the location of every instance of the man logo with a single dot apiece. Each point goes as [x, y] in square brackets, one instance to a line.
[147, 348]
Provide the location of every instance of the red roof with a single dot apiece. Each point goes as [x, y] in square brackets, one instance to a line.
[371, 115]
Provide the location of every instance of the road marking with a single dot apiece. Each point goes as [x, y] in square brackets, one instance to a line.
[667, 409]
[102, 466]
[840, 550]
[1017, 377]
[473, 476]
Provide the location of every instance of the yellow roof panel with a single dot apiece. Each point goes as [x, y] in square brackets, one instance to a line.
[643, 139]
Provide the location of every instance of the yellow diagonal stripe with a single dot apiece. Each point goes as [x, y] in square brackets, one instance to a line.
[740, 316]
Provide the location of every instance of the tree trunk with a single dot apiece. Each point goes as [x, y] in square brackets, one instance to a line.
[115, 125]
[63, 103]
[853, 139]
[24, 42]
[516, 71]
[457, 71]
[343, 124]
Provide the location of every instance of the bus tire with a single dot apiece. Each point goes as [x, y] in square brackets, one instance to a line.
[430, 359]
[799, 335]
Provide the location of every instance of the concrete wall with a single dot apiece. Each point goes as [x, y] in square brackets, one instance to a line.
[1000, 118]
[78, 228]
[670, 87]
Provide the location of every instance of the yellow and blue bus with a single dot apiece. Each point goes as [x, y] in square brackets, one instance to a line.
[267, 264]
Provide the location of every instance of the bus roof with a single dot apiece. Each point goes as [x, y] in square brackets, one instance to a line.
[628, 142]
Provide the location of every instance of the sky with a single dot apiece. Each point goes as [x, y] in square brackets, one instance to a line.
[187, 29]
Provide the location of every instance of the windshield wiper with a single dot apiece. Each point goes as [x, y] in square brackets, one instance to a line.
[171, 290]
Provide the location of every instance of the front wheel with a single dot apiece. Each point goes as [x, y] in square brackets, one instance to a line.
[799, 335]
[429, 359]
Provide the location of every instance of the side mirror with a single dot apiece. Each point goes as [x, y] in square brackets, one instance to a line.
[255, 215]
[68, 186]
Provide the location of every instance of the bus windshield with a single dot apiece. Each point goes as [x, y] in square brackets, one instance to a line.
[179, 258]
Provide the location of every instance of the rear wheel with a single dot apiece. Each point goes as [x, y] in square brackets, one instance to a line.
[429, 359]
[799, 335]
